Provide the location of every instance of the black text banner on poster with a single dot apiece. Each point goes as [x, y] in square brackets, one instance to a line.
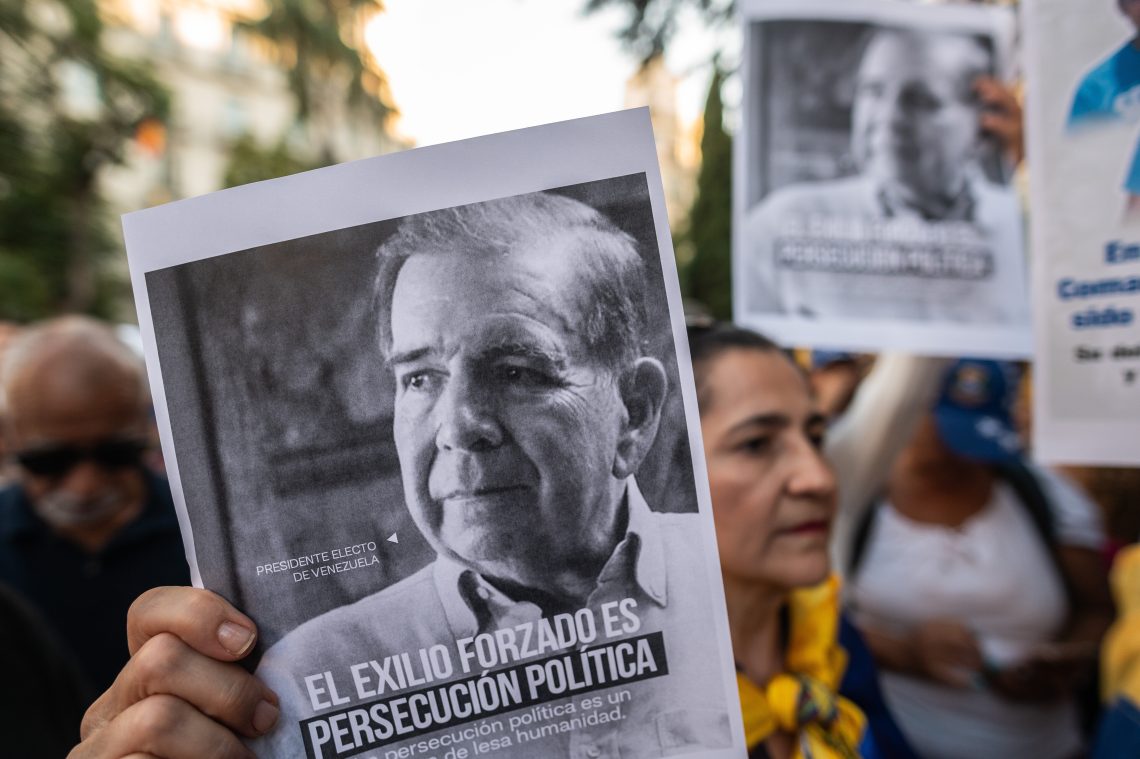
[373, 725]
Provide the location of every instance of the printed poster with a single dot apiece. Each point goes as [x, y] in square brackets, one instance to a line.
[871, 211]
[1083, 75]
[430, 420]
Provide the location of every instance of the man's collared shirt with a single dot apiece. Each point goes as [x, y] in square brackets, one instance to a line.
[636, 568]
[658, 564]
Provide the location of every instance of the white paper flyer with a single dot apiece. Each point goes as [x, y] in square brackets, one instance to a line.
[430, 420]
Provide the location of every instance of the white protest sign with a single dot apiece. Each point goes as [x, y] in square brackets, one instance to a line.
[1083, 77]
[871, 211]
[423, 345]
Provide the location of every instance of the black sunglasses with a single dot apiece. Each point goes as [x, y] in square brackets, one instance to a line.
[58, 460]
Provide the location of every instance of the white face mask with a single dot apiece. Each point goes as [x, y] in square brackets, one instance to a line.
[64, 510]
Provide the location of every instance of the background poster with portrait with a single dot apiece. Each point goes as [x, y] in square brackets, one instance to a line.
[1083, 126]
[871, 212]
[393, 392]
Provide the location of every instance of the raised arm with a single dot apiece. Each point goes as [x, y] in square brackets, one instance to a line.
[863, 443]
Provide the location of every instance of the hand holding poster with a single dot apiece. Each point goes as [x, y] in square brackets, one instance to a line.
[1083, 72]
[426, 421]
[871, 210]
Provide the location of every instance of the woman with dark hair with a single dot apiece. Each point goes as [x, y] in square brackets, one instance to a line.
[774, 497]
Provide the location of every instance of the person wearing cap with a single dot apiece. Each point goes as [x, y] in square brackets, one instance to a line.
[977, 582]
[85, 528]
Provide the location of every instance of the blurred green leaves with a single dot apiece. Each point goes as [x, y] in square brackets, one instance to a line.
[650, 24]
[55, 138]
[708, 275]
[250, 162]
[308, 38]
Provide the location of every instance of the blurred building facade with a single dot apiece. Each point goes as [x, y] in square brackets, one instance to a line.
[225, 85]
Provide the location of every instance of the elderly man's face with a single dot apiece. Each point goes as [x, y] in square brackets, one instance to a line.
[53, 418]
[506, 432]
[915, 121]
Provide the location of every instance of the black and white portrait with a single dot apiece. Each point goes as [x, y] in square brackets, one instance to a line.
[868, 192]
[458, 423]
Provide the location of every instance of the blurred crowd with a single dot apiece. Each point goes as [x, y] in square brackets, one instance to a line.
[975, 593]
[87, 523]
[955, 598]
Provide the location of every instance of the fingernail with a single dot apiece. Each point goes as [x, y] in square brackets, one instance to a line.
[235, 638]
[264, 717]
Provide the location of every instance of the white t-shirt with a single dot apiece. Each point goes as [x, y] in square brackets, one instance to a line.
[993, 574]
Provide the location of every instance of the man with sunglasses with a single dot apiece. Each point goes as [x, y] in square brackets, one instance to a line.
[86, 527]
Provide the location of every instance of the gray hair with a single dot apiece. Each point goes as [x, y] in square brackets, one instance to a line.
[611, 270]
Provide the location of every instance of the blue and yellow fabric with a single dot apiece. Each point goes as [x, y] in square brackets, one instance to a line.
[1119, 733]
[804, 700]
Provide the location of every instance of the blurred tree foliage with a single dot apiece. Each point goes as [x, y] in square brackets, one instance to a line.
[68, 109]
[704, 245]
[708, 276]
[308, 40]
[250, 162]
[651, 23]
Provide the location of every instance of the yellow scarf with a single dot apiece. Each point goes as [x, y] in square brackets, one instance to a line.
[1120, 653]
[803, 700]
